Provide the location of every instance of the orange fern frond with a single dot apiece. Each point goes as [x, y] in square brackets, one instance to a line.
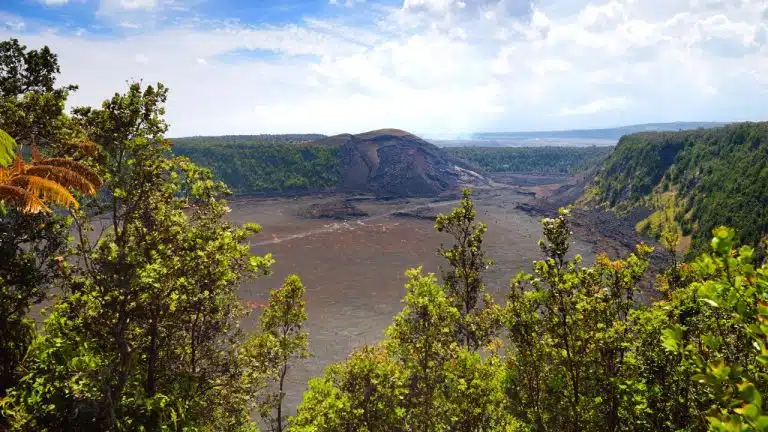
[63, 176]
[18, 164]
[36, 156]
[31, 186]
[76, 167]
[6, 174]
[22, 199]
[44, 189]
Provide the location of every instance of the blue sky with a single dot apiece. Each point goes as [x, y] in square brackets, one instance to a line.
[433, 67]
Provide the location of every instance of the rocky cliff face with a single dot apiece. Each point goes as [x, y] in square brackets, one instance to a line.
[392, 162]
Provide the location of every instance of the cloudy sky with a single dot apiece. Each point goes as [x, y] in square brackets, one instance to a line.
[434, 67]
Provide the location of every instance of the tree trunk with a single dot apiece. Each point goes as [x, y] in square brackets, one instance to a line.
[150, 386]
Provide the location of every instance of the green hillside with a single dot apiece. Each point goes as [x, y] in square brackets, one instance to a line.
[264, 163]
[692, 180]
[543, 160]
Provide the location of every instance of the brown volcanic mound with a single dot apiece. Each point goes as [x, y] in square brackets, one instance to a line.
[392, 162]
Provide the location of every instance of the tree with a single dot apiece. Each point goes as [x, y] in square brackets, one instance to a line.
[422, 339]
[25, 71]
[362, 394]
[280, 341]
[31, 107]
[147, 333]
[568, 326]
[418, 379]
[463, 282]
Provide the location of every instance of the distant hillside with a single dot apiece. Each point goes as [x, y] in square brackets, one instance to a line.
[597, 134]
[691, 181]
[540, 160]
[394, 162]
[384, 162]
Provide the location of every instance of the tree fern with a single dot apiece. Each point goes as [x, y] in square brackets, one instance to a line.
[32, 187]
[48, 191]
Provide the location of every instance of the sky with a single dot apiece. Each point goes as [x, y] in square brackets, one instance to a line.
[439, 68]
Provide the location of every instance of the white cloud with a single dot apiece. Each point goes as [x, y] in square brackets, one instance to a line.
[15, 25]
[441, 66]
[54, 2]
[347, 3]
[150, 13]
[597, 106]
[133, 4]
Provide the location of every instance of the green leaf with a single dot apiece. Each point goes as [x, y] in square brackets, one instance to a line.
[7, 146]
[712, 342]
[704, 379]
[671, 337]
[749, 411]
[748, 392]
[761, 424]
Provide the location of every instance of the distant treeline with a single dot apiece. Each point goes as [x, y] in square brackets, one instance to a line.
[544, 160]
[608, 133]
[695, 179]
[207, 141]
[264, 163]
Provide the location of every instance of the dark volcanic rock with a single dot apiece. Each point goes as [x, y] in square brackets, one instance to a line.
[391, 162]
[341, 210]
[423, 213]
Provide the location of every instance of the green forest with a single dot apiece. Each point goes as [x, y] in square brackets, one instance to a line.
[543, 160]
[693, 180]
[127, 247]
[265, 163]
